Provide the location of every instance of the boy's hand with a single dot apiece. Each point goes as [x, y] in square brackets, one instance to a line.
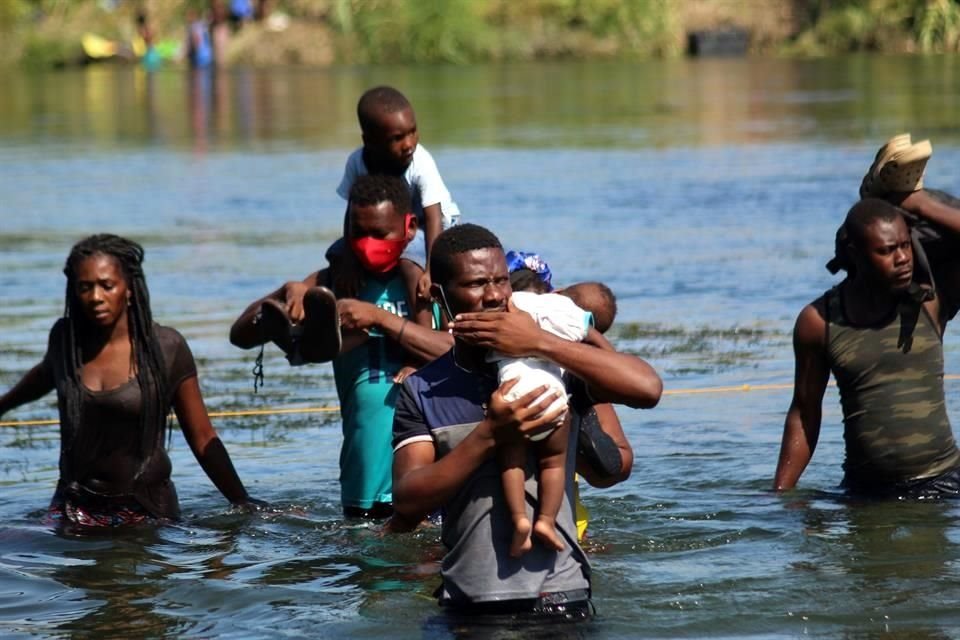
[347, 276]
[404, 373]
[293, 293]
[423, 286]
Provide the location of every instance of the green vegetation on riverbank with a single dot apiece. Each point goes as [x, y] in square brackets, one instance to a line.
[892, 26]
[47, 33]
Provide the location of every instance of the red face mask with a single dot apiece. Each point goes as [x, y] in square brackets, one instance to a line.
[380, 256]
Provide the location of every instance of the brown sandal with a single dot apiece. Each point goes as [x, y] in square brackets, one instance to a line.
[276, 326]
[898, 167]
[320, 340]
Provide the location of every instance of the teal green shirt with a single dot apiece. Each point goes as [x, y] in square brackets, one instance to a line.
[364, 378]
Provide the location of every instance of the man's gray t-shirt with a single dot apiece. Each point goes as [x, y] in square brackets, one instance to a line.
[441, 404]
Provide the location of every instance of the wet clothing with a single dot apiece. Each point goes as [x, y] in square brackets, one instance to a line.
[568, 605]
[78, 506]
[364, 378]
[101, 456]
[541, 617]
[945, 485]
[441, 403]
[896, 427]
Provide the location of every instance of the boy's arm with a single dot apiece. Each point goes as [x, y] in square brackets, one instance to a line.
[433, 225]
[421, 311]
[433, 193]
[244, 332]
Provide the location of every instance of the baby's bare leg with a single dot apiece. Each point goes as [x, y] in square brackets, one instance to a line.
[551, 454]
[511, 458]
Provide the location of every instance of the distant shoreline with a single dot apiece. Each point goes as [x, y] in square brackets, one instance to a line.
[321, 33]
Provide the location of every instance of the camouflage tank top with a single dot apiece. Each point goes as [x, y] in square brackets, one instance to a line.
[895, 420]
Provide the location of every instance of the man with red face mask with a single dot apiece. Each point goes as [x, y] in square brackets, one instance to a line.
[378, 345]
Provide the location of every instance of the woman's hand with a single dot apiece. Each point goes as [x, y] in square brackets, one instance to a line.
[251, 505]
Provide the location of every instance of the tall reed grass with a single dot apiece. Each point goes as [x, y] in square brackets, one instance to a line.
[924, 26]
[45, 32]
[466, 30]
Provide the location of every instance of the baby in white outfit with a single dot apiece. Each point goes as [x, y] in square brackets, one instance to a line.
[558, 314]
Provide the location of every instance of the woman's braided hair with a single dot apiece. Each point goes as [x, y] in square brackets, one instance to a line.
[146, 355]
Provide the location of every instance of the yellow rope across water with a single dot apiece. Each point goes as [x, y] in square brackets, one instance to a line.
[212, 414]
[740, 388]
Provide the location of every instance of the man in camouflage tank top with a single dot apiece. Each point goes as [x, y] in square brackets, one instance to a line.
[880, 333]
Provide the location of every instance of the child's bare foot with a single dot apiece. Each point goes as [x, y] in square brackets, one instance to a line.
[521, 537]
[546, 531]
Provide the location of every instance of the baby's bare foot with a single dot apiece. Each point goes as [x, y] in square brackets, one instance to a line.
[521, 538]
[547, 533]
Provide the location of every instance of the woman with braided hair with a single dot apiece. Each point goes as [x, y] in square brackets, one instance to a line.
[117, 374]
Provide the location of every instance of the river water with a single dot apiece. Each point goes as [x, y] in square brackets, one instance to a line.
[705, 193]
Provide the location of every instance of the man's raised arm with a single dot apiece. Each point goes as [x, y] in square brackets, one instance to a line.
[612, 376]
[931, 208]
